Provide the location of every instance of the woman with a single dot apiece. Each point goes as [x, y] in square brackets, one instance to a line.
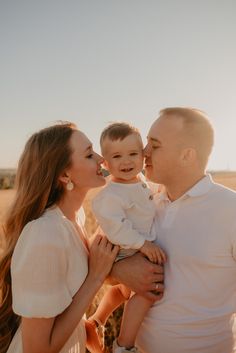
[52, 281]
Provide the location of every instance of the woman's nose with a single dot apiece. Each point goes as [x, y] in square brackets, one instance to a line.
[99, 158]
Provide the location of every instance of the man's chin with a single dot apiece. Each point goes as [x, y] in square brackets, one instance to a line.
[148, 173]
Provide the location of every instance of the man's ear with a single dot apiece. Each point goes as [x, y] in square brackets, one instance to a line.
[188, 156]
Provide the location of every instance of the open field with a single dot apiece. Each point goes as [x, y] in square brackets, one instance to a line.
[6, 197]
[226, 178]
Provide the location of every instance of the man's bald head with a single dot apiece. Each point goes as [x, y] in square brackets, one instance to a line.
[197, 131]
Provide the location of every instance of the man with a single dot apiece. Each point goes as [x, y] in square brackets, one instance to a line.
[196, 222]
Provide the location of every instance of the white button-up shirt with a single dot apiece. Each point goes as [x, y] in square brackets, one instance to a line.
[198, 234]
[126, 213]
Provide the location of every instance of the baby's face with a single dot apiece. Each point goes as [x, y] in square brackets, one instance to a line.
[123, 158]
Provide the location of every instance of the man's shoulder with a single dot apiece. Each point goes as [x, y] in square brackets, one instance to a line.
[224, 190]
[224, 193]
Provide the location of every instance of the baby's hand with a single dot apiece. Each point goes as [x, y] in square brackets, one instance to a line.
[153, 252]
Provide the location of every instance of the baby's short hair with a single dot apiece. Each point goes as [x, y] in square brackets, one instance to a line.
[118, 131]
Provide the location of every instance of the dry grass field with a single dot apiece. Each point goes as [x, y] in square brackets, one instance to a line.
[226, 178]
[6, 197]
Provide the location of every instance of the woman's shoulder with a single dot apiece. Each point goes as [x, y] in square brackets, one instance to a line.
[48, 228]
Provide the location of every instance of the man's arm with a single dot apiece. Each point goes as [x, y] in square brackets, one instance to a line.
[140, 275]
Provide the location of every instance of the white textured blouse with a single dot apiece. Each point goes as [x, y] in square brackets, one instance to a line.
[126, 213]
[49, 264]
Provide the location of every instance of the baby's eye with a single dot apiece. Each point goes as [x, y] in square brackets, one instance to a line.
[155, 147]
[116, 156]
[134, 153]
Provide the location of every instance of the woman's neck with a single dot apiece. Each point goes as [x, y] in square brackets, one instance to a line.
[70, 204]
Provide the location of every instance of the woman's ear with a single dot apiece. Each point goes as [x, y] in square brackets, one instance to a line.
[64, 178]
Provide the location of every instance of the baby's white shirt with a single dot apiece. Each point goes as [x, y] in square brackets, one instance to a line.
[126, 213]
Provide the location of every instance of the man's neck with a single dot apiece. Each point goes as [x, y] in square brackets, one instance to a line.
[180, 187]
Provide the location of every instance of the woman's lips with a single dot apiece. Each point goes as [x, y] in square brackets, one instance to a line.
[99, 172]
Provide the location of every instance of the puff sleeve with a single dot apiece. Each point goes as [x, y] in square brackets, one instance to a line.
[38, 270]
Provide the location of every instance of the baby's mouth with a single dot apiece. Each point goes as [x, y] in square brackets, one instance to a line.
[126, 170]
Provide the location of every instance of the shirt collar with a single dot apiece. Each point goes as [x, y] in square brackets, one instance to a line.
[199, 189]
[202, 187]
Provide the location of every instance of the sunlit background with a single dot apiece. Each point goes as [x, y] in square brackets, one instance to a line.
[92, 62]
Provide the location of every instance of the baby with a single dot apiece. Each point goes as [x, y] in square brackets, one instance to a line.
[125, 211]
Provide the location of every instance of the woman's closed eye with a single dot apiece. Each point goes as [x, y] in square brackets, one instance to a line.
[90, 155]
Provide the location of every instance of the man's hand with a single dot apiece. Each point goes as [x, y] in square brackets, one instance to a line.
[140, 275]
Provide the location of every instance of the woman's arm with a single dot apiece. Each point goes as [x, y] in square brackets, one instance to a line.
[50, 335]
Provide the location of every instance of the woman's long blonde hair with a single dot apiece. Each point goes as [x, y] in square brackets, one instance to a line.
[46, 155]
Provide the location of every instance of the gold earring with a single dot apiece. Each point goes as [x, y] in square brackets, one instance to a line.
[69, 185]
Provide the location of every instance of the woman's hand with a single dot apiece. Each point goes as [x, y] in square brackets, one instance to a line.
[101, 258]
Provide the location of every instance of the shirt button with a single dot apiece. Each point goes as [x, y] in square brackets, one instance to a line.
[144, 185]
[150, 197]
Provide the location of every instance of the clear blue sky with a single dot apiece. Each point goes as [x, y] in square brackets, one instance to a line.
[96, 61]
